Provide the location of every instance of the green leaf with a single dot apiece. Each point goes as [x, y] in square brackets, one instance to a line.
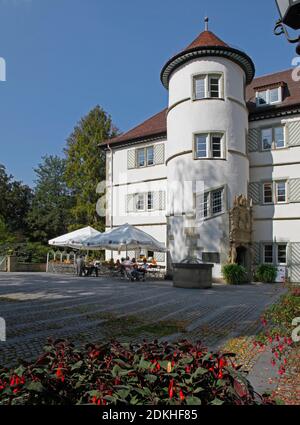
[144, 364]
[193, 401]
[20, 371]
[36, 387]
[115, 371]
[217, 402]
[199, 372]
[198, 390]
[77, 365]
[123, 394]
[150, 378]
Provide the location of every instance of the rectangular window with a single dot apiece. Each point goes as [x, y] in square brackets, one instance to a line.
[279, 137]
[280, 192]
[145, 157]
[274, 96]
[281, 254]
[267, 138]
[209, 145]
[141, 157]
[268, 193]
[207, 86]
[272, 138]
[269, 97]
[217, 201]
[201, 145]
[216, 142]
[268, 254]
[261, 98]
[140, 202]
[150, 203]
[214, 86]
[199, 88]
[150, 155]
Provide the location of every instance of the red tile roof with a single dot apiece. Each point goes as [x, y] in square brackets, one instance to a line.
[152, 127]
[291, 91]
[157, 125]
[206, 39]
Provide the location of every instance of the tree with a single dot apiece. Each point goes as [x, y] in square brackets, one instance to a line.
[50, 212]
[15, 201]
[85, 166]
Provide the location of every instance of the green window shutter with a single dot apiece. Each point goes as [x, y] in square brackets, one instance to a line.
[293, 133]
[254, 137]
[294, 190]
[254, 192]
[131, 159]
[159, 154]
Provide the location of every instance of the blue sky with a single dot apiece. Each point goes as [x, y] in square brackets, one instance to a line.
[65, 56]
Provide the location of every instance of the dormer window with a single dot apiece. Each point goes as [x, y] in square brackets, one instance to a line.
[209, 86]
[269, 96]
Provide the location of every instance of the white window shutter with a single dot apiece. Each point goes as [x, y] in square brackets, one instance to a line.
[254, 140]
[131, 159]
[162, 200]
[293, 133]
[159, 154]
[130, 203]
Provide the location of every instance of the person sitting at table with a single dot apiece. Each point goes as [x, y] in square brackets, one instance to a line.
[153, 262]
[134, 272]
[144, 267]
[127, 266]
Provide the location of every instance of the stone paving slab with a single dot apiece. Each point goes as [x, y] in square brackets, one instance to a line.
[37, 306]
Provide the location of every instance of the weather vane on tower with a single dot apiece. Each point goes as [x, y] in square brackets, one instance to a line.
[206, 20]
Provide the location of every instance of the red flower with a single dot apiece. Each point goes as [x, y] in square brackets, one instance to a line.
[59, 374]
[181, 395]
[171, 388]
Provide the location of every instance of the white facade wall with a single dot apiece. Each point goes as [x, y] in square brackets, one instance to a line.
[278, 223]
[133, 181]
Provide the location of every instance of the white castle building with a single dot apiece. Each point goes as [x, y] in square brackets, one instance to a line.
[229, 134]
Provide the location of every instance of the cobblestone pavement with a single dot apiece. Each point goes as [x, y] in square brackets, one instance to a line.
[38, 306]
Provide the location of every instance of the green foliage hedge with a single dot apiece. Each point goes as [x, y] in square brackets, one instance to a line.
[234, 274]
[266, 273]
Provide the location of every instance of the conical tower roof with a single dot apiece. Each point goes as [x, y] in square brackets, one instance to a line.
[208, 44]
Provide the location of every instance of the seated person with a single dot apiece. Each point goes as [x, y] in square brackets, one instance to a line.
[153, 262]
[135, 271]
[144, 267]
[127, 266]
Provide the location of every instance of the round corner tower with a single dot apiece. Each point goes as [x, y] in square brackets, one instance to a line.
[206, 154]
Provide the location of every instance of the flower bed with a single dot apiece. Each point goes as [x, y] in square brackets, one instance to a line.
[149, 373]
[278, 323]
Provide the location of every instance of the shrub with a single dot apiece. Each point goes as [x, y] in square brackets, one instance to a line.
[234, 274]
[266, 273]
[148, 373]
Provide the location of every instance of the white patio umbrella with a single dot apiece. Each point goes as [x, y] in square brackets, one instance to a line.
[75, 239]
[123, 238]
